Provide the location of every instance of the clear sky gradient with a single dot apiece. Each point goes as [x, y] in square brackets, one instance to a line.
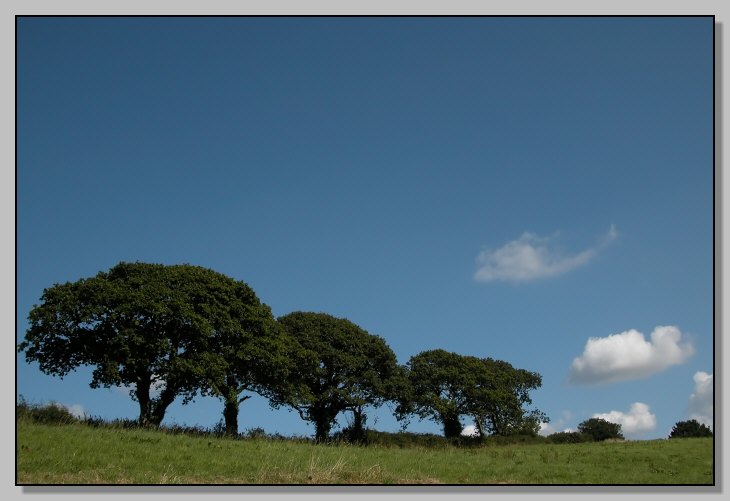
[537, 190]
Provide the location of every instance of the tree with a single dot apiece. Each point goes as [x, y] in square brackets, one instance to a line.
[245, 349]
[437, 382]
[599, 429]
[342, 366]
[691, 428]
[445, 386]
[177, 329]
[498, 398]
[130, 324]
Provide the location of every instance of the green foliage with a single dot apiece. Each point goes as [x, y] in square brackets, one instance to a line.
[182, 331]
[691, 428]
[444, 386]
[51, 413]
[438, 380]
[177, 329]
[569, 437]
[245, 349]
[600, 429]
[342, 367]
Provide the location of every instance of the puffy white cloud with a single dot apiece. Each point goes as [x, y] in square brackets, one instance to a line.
[638, 421]
[531, 257]
[700, 401]
[625, 356]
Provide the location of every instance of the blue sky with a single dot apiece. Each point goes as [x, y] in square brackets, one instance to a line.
[537, 190]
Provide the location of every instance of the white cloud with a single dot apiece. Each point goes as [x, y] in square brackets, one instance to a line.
[548, 429]
[531, 257]
[76, 410]
[625, 356]
[470, 431]
[638, 421]
[700, 401]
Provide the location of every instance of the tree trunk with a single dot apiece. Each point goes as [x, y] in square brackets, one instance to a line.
[322, 416]
[160, 405]
[322, 428]
[452, 425]
[358, 425]
[230, 414]
[142, 392]
[480, 428]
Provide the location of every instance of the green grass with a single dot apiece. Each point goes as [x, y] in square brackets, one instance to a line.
[82, 454]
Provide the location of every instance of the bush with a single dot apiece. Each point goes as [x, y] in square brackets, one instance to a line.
[691, 428]
[402, 439]
[569, 437]
[514, 439]
[600, 429]
[52, 413]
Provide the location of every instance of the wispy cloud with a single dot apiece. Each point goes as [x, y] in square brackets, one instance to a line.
[532, 257]
[700, 401]
[635, 423]
[626, 356]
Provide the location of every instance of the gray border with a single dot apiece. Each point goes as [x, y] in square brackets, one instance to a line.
[395, 7]
[719, 261]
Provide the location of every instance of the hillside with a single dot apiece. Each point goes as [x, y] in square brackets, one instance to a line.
[81, 454]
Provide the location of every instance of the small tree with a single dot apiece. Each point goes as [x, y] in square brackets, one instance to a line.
[600, 429]
[691, 428]
[342, 367]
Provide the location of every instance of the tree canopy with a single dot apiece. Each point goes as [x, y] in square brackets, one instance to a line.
[599, 429]
[344, 368]
[177, 329]
[445, 386]
[691, 428]
[180, 331]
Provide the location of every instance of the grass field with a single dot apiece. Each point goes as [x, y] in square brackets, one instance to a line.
[81, 454]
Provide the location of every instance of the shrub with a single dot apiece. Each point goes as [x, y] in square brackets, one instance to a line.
[569, 437]
[691, 428]
[52, 413]
[513, 439]
[404, 439]
[600, 429]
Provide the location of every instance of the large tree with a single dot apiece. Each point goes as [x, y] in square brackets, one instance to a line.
[342, 366]
[164, 331]
[445, 386]
[131, 324]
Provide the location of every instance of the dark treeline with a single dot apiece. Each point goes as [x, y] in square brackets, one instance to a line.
[179, 331]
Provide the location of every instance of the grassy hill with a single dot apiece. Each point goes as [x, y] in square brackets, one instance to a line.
[77, 453]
